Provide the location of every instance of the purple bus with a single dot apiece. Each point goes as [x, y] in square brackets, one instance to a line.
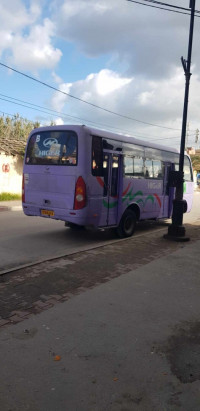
[93, 178]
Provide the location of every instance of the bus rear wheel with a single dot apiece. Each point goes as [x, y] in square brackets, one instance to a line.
[127, 224]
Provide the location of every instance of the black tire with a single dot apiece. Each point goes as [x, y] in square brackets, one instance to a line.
[127, 224]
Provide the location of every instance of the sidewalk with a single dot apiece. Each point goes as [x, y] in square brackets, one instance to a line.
[131, 343]
[15, 205]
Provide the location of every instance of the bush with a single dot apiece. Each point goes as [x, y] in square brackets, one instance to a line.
[9, 197]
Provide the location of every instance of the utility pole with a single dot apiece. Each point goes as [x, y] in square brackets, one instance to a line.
[176, 230]
[197, 136]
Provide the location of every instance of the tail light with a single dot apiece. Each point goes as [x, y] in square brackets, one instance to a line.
[23, 190]
[80, 194]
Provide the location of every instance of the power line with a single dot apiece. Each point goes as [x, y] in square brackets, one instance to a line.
[132, 134]
[140, 135]
[169, 5]
[14, 115]
[84, 101]
[47, 110]
[161, 8]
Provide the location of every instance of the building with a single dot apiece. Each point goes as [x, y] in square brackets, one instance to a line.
[11, 165]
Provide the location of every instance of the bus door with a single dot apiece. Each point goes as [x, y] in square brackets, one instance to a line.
[168, 192]
[112, 195]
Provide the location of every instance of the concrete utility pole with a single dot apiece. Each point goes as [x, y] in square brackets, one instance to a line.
[176, 230]
[197, 136]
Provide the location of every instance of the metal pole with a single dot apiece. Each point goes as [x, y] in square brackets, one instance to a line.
[176, 230]
[186, 66]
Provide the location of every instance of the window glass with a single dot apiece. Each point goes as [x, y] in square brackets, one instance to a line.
[128, 166]
[114, 181]
[153, 153]
[113, 145]
[134, 166]
[169, 156]
[52, 148]
[133, 150]
[158, 169]
[97, 156]
[105, 174]
[187, 170]
[138, 165]
[148, 168]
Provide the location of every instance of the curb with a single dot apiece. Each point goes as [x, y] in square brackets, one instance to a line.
[14, 208]
[71, 253]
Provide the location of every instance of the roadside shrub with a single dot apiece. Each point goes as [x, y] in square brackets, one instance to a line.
[9, 197]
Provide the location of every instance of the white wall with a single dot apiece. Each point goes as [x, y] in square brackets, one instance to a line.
[11, 174]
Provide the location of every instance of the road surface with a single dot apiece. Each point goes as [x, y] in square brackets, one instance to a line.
[25, 240]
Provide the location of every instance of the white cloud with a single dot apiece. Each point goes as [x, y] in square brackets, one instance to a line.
[59, 121]
[159, 102]
[35, 51]
[134, 97]
[56, 78]
[149, 41]
[141, 75]
[26, 43]
[107, 82]
[15, 16]
[58, 99]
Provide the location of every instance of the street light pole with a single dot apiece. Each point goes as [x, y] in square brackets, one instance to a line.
[176, 230]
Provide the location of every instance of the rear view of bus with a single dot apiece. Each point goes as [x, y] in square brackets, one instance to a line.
[50, 186]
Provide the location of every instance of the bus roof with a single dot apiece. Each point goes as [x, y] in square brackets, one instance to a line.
[107, 134]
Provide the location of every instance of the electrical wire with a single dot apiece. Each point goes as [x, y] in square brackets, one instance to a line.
[132, 134]
[169, 5]
[47, 110]
[162, 8]
[87, 121]
[84, 101]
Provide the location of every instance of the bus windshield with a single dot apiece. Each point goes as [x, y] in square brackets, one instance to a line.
[52, 148]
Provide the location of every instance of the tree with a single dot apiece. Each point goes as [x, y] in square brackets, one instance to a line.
[14, 132]
[195, 158]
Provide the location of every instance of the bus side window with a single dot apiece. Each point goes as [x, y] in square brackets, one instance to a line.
[148, 168]
[188, 176]
[158, 170]
[97, 156]
[128, 166]
[138, 166]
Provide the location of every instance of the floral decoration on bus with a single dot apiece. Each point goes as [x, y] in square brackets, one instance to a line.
[129, 196]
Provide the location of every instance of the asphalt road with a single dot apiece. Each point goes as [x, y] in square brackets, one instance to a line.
[25, 240]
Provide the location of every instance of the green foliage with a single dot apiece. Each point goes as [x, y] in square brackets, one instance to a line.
[9, 197]
[195, 158]
[14, 132]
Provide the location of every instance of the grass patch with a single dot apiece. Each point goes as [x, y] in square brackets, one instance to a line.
[9, 197]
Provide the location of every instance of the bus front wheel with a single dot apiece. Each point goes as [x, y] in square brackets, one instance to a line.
[127, 224]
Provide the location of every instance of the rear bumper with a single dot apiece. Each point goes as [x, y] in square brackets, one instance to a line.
[79, 217]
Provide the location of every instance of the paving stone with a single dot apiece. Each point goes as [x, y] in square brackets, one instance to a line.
[20, 313]
[16, 318]
[30, 296]
[4, 322]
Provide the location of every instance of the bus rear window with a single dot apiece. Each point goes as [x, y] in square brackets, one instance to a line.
[52, 148]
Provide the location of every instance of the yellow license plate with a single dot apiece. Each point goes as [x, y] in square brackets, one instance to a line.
[50, 213]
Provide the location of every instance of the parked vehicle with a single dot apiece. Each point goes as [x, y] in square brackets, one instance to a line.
[198, 179]
[90, 177]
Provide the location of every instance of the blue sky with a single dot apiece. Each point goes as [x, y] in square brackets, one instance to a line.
[118, 55]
